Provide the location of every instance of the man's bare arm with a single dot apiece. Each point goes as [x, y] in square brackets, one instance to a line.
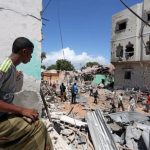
[31, 113]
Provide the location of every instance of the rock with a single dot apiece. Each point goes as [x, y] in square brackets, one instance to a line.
[66, 132]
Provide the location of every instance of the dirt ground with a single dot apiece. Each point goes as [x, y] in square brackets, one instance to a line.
[79, 110]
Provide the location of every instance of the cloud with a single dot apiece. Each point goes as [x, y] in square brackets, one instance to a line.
[77, 60]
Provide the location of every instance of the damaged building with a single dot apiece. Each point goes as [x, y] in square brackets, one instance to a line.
[131, 47]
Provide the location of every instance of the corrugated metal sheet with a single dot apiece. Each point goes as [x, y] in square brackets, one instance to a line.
[101, 136]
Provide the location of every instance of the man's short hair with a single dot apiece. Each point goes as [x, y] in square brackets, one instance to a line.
[21, 43]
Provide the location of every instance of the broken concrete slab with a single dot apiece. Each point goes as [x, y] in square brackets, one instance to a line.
[127, 117]
[58, 141]
[133, 133]
[72, 121]
[118, 139]
[66, 132]
[130, 143]
[146, 138]
[115, 127]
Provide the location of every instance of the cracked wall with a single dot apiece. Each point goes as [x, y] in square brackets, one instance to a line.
[23, 18]
[131, 51]
[128, 35]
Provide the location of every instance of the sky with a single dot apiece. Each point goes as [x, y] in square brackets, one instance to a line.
[85, 30]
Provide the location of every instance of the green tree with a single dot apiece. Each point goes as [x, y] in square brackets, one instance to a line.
[91, 64]
[63, 64]
[43, 56]
[43, 67]
[52, 67]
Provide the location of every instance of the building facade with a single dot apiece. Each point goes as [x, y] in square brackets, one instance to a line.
[51, 76]
[130, 45]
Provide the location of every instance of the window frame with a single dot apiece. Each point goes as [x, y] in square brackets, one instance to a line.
[120, 23]
[127, 74]
[121, 50]
[148, 16]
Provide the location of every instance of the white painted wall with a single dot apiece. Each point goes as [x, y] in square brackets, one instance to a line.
[17, 20]
[23, 18]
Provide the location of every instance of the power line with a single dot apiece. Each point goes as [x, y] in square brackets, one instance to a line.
[135, 13]
[60, 30]
[44, 19]
[46, 6]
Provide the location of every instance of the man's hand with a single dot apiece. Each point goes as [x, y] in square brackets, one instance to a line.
[30, 113]
[19, 75]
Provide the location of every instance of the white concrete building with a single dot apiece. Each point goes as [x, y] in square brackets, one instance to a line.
[131, 47]
[23, 18]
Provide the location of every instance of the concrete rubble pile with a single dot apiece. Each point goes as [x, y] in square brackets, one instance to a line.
[130, 129]
[98, 129]
[65, 128]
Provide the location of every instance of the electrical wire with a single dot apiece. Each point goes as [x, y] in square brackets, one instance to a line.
[135, 13]
[60, 30]
[46, 6]
[59, 23]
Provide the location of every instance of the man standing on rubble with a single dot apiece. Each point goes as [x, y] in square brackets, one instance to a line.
[16, 132]
[74, 91]
[131, 103]
[91, 90]
[63, 92]
[120, 102]
[95, 95]
[148, 102]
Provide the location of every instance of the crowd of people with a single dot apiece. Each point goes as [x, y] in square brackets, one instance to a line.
[115, 106]
[132, 103]
[117, 101]
[74, 91]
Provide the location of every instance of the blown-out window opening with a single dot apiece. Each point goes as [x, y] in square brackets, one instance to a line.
[127, 74]
[148, 16]
[121, 26]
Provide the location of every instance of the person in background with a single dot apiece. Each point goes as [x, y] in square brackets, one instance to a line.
[120, 101]
[74, 91]
[16, 131]
[131, 103]
[103, 82]
[63, 92]
[54, 88]
[113, 107]
[95, 94]
[91, 90]
[148, 102]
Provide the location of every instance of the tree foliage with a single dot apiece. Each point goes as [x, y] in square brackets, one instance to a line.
[52, 67]
[63, 64]
[82, 68]
[43, 67]
[91, 64]
[43, 56]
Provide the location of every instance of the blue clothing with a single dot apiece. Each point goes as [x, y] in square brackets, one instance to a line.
[74, 89]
